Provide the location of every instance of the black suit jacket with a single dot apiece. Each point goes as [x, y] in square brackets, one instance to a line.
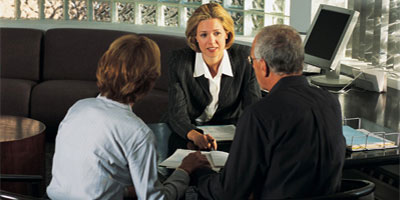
[189, 96]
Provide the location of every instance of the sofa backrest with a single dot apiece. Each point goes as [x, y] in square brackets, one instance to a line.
[73, 54]
[167, 44]
[20, 51]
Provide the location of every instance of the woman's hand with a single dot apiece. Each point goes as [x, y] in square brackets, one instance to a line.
[202, 141]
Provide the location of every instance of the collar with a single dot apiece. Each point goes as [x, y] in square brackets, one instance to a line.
[200, 66]
[289, 81]
[122, 105]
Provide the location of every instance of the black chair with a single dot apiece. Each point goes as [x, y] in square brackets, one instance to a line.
[13, 196]
[33, 180]
[351, 189]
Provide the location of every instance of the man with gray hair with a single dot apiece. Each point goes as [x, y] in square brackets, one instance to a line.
[290, 143]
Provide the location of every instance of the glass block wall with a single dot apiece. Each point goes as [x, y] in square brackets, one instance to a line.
[248, 15]
[376, 37]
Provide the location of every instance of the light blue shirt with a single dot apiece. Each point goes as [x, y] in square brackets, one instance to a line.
[102, 147]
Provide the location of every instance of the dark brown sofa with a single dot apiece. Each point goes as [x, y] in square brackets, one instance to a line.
[43, 73]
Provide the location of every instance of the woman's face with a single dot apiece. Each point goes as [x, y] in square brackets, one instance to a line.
[211, 38]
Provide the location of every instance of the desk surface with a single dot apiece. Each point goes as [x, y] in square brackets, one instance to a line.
[168, 143]
[379, 112]
[382, 109]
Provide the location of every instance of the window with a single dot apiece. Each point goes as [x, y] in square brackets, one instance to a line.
[248, 15]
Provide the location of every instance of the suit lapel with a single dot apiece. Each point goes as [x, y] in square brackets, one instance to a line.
[204, 84]
[226, 86]
[201, 85]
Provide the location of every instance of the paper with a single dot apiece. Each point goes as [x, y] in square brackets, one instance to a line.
[217, 159]
[220, 132]
[360, 139]
[176, 158]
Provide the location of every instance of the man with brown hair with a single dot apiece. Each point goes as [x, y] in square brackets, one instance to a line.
[102, 146]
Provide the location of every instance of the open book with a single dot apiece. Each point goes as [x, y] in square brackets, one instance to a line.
[220, 132]
[361, 139]
[217, 159]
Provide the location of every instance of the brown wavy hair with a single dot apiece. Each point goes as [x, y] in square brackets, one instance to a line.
[209, 11]
[128, 69]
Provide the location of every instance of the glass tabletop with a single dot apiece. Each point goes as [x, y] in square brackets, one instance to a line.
[167, 143]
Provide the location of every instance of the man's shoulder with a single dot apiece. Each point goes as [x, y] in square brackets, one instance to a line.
[262, 108]
[134, 132]
[270, 101]
[92, 101]
[137, 124]
[323, 94]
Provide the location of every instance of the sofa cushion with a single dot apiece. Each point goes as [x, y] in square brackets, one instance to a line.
[15, 95]
[73, 54]
[20, 53]
[52, 99]
[167, 44]
[152, 107]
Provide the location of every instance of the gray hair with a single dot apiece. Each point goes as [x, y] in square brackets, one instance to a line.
[280, 46]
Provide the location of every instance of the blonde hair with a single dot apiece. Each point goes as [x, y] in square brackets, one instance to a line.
[209, 11]
[129, 68]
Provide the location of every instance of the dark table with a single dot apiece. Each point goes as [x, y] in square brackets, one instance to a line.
[378, 112]
[381, 109]
[22, 142]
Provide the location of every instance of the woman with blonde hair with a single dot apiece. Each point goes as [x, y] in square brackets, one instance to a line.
[211, 82]
[102, 147]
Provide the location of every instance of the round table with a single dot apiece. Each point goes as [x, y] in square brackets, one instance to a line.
[22, 148]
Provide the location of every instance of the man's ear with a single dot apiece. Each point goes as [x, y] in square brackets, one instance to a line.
[264, 67]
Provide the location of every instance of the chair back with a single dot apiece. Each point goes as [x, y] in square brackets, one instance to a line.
[351, 189]
[14, 196]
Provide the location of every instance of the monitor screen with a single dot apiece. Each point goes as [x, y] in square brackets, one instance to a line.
[328, 35]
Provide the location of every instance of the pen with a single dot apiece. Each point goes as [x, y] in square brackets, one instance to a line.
[212, 147]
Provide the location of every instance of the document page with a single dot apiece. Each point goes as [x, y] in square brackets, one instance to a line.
[176, 158]
[220, 132]
[217, 159]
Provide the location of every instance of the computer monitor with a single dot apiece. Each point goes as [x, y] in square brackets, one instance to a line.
[325, 43]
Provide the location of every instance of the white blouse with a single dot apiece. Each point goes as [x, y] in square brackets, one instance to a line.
[201, 69]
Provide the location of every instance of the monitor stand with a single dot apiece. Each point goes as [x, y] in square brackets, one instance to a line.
[331, 79]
